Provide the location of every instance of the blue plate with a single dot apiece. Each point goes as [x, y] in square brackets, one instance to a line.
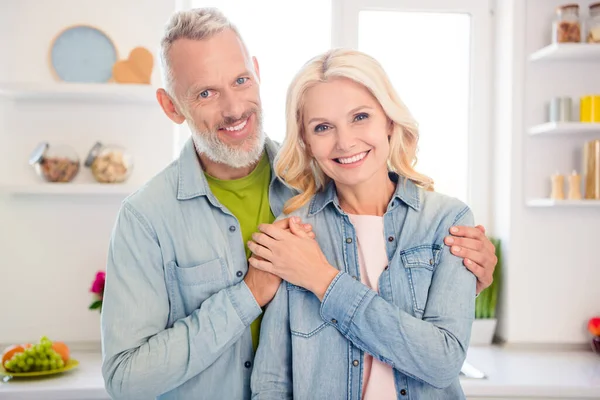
[83, 54]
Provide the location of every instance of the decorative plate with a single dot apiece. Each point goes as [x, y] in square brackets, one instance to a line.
[83, 54]
[72, 363]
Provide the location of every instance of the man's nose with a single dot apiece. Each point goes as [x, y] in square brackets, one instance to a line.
[232, 106]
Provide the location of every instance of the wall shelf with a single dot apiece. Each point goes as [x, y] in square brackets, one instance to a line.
[567, 52]
[78, 91]
[561, 128]
[562, 203]
[69, 189]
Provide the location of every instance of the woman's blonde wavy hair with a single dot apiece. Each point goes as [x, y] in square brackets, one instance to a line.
[295, 165]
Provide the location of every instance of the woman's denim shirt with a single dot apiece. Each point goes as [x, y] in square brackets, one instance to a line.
[419, 323]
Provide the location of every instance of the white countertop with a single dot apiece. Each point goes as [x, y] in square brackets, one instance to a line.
[510, 374]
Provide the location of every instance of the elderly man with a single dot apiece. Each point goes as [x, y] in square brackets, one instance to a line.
[182, 307]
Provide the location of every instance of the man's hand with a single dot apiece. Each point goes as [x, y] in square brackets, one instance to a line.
[263, 285]
[477, 250]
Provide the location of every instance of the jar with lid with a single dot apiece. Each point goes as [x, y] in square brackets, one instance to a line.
[109, 163]
[566, 27]
[593, 24]
[56, 163]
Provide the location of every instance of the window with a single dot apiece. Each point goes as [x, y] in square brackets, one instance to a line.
[437, 55]
[429, 68]
[436, 52]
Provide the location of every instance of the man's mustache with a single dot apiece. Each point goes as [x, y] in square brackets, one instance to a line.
[233, 121]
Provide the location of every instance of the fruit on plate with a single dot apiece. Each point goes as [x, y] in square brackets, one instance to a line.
[594, 326]
[62, 350]
[42, 356]
[10, 351]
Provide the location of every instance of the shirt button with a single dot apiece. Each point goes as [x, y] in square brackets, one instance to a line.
[348, 240]
[334, 321]
[247, 364]
[403, 392]
[386, 267]
[431, 261]
[355, 363]
[391, 239]
[354, 277]
[232, 228]
[239, 274]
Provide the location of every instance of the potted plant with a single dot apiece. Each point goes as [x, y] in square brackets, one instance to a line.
[484, 326]
[594, 329]
[97, 289]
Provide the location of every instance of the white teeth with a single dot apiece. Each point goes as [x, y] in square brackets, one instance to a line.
[353, 159]
[238, 127]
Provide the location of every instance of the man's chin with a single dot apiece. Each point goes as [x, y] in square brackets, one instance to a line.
[235, 156]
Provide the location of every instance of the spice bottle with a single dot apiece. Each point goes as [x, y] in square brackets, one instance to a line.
[566, 27]
[56, 163]
[593, 24]
[109, 163]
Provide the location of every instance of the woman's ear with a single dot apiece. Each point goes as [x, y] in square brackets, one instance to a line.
[390, 129]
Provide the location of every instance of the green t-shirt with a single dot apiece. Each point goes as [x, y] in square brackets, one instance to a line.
[248, 199]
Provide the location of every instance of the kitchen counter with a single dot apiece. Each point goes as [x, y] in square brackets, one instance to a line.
[510, 374]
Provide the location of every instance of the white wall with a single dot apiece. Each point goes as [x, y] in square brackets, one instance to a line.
[552, 276]
[52, 245]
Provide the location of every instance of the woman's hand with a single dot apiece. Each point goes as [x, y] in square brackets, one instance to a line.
[294, 256]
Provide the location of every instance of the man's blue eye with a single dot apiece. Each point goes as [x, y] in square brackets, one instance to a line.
[241, 81]
[204, 94]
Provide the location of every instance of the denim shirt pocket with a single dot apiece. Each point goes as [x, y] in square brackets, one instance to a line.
[305, 317]
[419, 263]
[191, 286]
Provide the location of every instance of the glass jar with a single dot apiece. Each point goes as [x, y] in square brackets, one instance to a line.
[57, 163]
[109, 163]
[566, 27]
[593, 25]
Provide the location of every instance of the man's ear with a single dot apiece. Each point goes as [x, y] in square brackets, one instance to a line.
[256, 69]
[169, 106]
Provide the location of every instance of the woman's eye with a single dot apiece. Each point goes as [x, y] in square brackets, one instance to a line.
[361, 116]
[321, 128]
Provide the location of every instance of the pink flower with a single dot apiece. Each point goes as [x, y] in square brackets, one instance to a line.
[98, 285]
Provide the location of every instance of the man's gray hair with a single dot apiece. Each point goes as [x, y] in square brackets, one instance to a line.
[194, 24]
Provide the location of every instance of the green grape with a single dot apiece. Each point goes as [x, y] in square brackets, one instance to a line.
[10, 364]
[30, 351]
[53, 364]
[30, 361]
[60, 363]
[38, 363]
[45, 363]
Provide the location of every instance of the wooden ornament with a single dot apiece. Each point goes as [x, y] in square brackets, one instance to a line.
[557, 187]
[574, 186]
[137, 68]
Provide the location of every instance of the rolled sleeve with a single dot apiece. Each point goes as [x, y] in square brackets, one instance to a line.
[243, 302]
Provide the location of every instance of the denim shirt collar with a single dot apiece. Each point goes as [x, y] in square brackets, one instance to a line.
[191, 180]
[406, 191]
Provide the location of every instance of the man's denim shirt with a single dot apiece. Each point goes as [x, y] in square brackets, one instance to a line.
[176, 312]
[419, 323]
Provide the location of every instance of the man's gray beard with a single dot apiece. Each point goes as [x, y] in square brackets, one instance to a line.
[208, 144]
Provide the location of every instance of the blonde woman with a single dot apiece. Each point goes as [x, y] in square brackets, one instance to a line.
[376, 307]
